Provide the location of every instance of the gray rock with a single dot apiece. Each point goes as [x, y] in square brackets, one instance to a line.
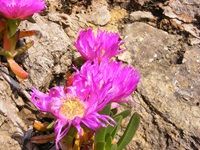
[168, 94]
[151, 43]
[185, 11]
[7, 143]
[49, 56]
[99, 15]
[12, 125]
[141, 15]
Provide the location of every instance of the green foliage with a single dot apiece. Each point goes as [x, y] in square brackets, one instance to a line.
[129, 132]
[112, 131]
[100, 137]
[104, 138]
[100, 146]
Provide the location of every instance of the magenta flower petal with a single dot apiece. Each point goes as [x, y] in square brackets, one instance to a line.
[95, 86]
[20, 9]
[72, 108]
[59, 132]
[103, 45]
[112, 81]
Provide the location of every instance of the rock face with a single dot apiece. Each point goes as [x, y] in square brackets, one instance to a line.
[50, 55]
[12, 125]
[48, 60]
[168, 95]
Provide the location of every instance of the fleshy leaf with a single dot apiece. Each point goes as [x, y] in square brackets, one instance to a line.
[66, 142]
[108, 143]
[129, 132]
[23, 48]
[79, 61]
[114, 147]
[100, 136]
[113, 112]
[12, 24]
[5, 53]
[112, 131]
[30, 19]
[100, 146]
[51, 125]
[106, 110]
[124, 113]
[26, 33]
[41, 126]
[18, 71]
[72, 131]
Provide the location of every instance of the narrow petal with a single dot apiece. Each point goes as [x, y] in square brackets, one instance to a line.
[59, 132]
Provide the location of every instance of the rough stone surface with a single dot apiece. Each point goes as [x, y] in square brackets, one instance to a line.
[99, 15]
[49, 56]
[12, 125]
[141, 15]
[6, 142]
[186, 11]
[168, 95]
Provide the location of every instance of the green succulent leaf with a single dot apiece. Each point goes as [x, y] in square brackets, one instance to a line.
[12, 24]
[100, 136]
[113, 112]
[129, 132]
[112, 131]
[124, 113]
[51, 125]
[23, 48]
[100, 146]
[114, 147]
[30, 19]
[108, 143]
[72, 132]
[5, 53]
[106, 110]
[69, 139]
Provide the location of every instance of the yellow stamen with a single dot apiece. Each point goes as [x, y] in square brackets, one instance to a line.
[72, 108]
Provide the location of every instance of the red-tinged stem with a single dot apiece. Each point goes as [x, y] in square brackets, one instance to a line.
[9, 43]
[6, 41]
[2, 26]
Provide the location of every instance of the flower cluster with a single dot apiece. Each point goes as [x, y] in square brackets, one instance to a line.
[103, 45]
[99, 82]
[12, 12]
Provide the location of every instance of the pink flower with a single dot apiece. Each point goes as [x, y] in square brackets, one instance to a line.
[77, 106]
[120, 81]
[103, 45]
[20, 9]
[94, 86]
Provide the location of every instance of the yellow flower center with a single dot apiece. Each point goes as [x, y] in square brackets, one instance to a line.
[72, 108]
